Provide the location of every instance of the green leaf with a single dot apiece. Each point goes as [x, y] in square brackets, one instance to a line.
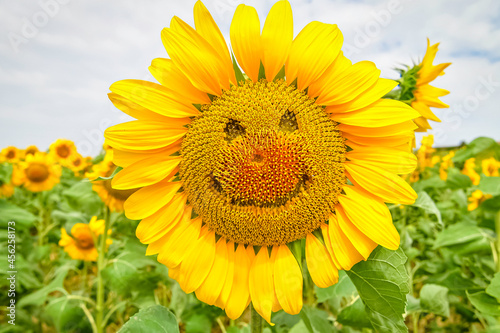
[425, 202]
[153, 319]
[11, 212]
[5, 173]
[383, 282]
[485, 303]
[237, 71]
[343, 288]
[198, 323]
[490, 185]
[457, 180]
[459, 233]
[491, 204]
[479, 148]
[413, 304]
[355, 315]
[67, 315]
[315, 320]
[434, 299]
[80, 197]
[494, 288]
[117, 169]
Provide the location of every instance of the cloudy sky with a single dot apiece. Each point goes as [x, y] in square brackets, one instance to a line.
[59, 57]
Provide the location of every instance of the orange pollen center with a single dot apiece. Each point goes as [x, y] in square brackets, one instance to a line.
[77, 162]
[63, 151]
[37, 172]
[85, 241]
[261, 170]
[11, 154]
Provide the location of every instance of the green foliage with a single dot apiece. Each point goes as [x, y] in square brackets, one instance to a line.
[153, 319]
[434, 299]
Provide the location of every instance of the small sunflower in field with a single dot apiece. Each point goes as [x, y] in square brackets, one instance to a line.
[477, 198]
[37, 173]
[78, 164]
[490, 167]
[446, 163]
[63, 151]
[11, 154]
[111, 197]
[82, 243]
[6, 190]
[31, 150]
[470, 171]
[233, 171]
[425, 154]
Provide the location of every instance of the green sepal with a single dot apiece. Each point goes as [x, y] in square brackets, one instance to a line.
[262, 72]
[237, 71]
[296, 249]
[118, 169]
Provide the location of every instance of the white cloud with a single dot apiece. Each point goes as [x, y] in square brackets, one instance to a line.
[56, 85]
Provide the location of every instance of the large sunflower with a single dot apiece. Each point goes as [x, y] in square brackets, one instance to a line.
[37, 173]
[425, 95]
[233, 171]
[111, 197]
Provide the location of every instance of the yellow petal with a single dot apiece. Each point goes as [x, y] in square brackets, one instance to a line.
[312, 52]
[369, 96]
[390, 159]
[424, 111]
[277, 37]
[339, 66]
[134, 109]
[144, 134]
[146, 172]
[239, 295]
[261, 284]
[394, 141]
[341, 247]
[403, 128]
[321, 267]
[211, 288]
[198, 262]
[288, 281]
[351, 83]
[381, 183]
[228, 284]
[196, 59]
[246, 41]
[384, 112]
[157, 225]
[165, 72]
[370, 216]
[124, 158]
[179, 241]
[150, 199]
[359, 240]
[423, 124]
[208, 29]
[154, 97]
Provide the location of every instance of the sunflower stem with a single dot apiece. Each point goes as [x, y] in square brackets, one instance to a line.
[100, 267]
[255, 321]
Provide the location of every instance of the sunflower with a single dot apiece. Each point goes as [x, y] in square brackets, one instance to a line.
[11, 154]
[425, 154]
[425, 95]
[81, 245]
[78, 164]
[31, 150]
[470, 170]
[111, 197]
[37, 173]
[6, 190]
[446, 163]
[477, 198]
[490, 167]
[63, 151]
[233, 171]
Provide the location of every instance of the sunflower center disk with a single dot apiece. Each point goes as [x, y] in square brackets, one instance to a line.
[37, 173]
[263, 164]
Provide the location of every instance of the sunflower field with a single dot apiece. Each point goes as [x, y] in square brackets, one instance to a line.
[271, 187]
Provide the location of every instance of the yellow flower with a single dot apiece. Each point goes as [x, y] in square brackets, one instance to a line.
[11, 154]
[78, 164]
[228, 165]
[81, 245]
[6, 190]
[490, 167]
[37, 173]
[445, 164]
[476, 199]
[31, 150]
[470, 170]
[425, 153]
[111, 197]
[63, 151]
[425, 95]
